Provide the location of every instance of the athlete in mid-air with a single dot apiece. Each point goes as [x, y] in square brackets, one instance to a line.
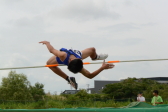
[73, 59]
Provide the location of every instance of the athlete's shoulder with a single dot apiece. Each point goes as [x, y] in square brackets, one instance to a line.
[63, 49]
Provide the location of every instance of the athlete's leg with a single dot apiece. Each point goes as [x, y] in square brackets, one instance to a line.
[59, 72]
[89, 52]
[93, 55]
[56, 70]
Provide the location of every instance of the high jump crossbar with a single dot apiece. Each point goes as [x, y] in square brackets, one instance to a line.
[85, 63]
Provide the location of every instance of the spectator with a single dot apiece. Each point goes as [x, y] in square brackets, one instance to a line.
[140, 97]
[156, 99]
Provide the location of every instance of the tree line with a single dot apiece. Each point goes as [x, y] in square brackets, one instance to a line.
[129, 88]
[17, 87]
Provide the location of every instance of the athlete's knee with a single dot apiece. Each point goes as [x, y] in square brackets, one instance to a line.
[48, 62]
[92, 49]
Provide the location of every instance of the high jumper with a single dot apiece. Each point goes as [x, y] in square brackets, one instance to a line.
[73, 59]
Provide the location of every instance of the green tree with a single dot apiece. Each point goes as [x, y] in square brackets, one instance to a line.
[130, 87]
[15, 87]
[37, 91]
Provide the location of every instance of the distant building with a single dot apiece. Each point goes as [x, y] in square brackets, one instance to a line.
[100, 84]
[159, 79]
[70, 92]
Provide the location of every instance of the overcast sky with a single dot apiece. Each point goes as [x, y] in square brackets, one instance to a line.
[125, 29]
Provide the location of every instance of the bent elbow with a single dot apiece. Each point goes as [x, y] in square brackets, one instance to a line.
[90, 77]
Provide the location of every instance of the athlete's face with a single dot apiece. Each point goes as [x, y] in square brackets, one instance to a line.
[154, 94]
[139, 95]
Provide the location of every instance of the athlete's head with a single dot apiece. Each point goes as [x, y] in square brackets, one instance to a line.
[75, 65]
[155, 92]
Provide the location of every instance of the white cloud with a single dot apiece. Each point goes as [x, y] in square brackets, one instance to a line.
[84, 10]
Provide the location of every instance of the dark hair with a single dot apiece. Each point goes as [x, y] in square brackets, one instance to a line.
[156, 91]
[75, 65]
[140, 93]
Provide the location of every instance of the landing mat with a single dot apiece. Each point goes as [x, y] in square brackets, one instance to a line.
[133, 107]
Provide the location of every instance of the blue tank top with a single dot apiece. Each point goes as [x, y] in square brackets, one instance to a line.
[69, 52]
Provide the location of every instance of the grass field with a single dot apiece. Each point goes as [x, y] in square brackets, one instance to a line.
[60, 104]
[58, 101]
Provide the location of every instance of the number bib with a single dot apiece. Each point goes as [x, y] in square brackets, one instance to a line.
[77, 52]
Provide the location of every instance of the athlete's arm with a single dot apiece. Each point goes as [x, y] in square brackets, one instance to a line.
[51, 49]
[158, 102]
[89, 75]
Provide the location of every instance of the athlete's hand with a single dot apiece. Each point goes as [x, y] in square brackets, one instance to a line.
[107, 66]
[44, 42]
